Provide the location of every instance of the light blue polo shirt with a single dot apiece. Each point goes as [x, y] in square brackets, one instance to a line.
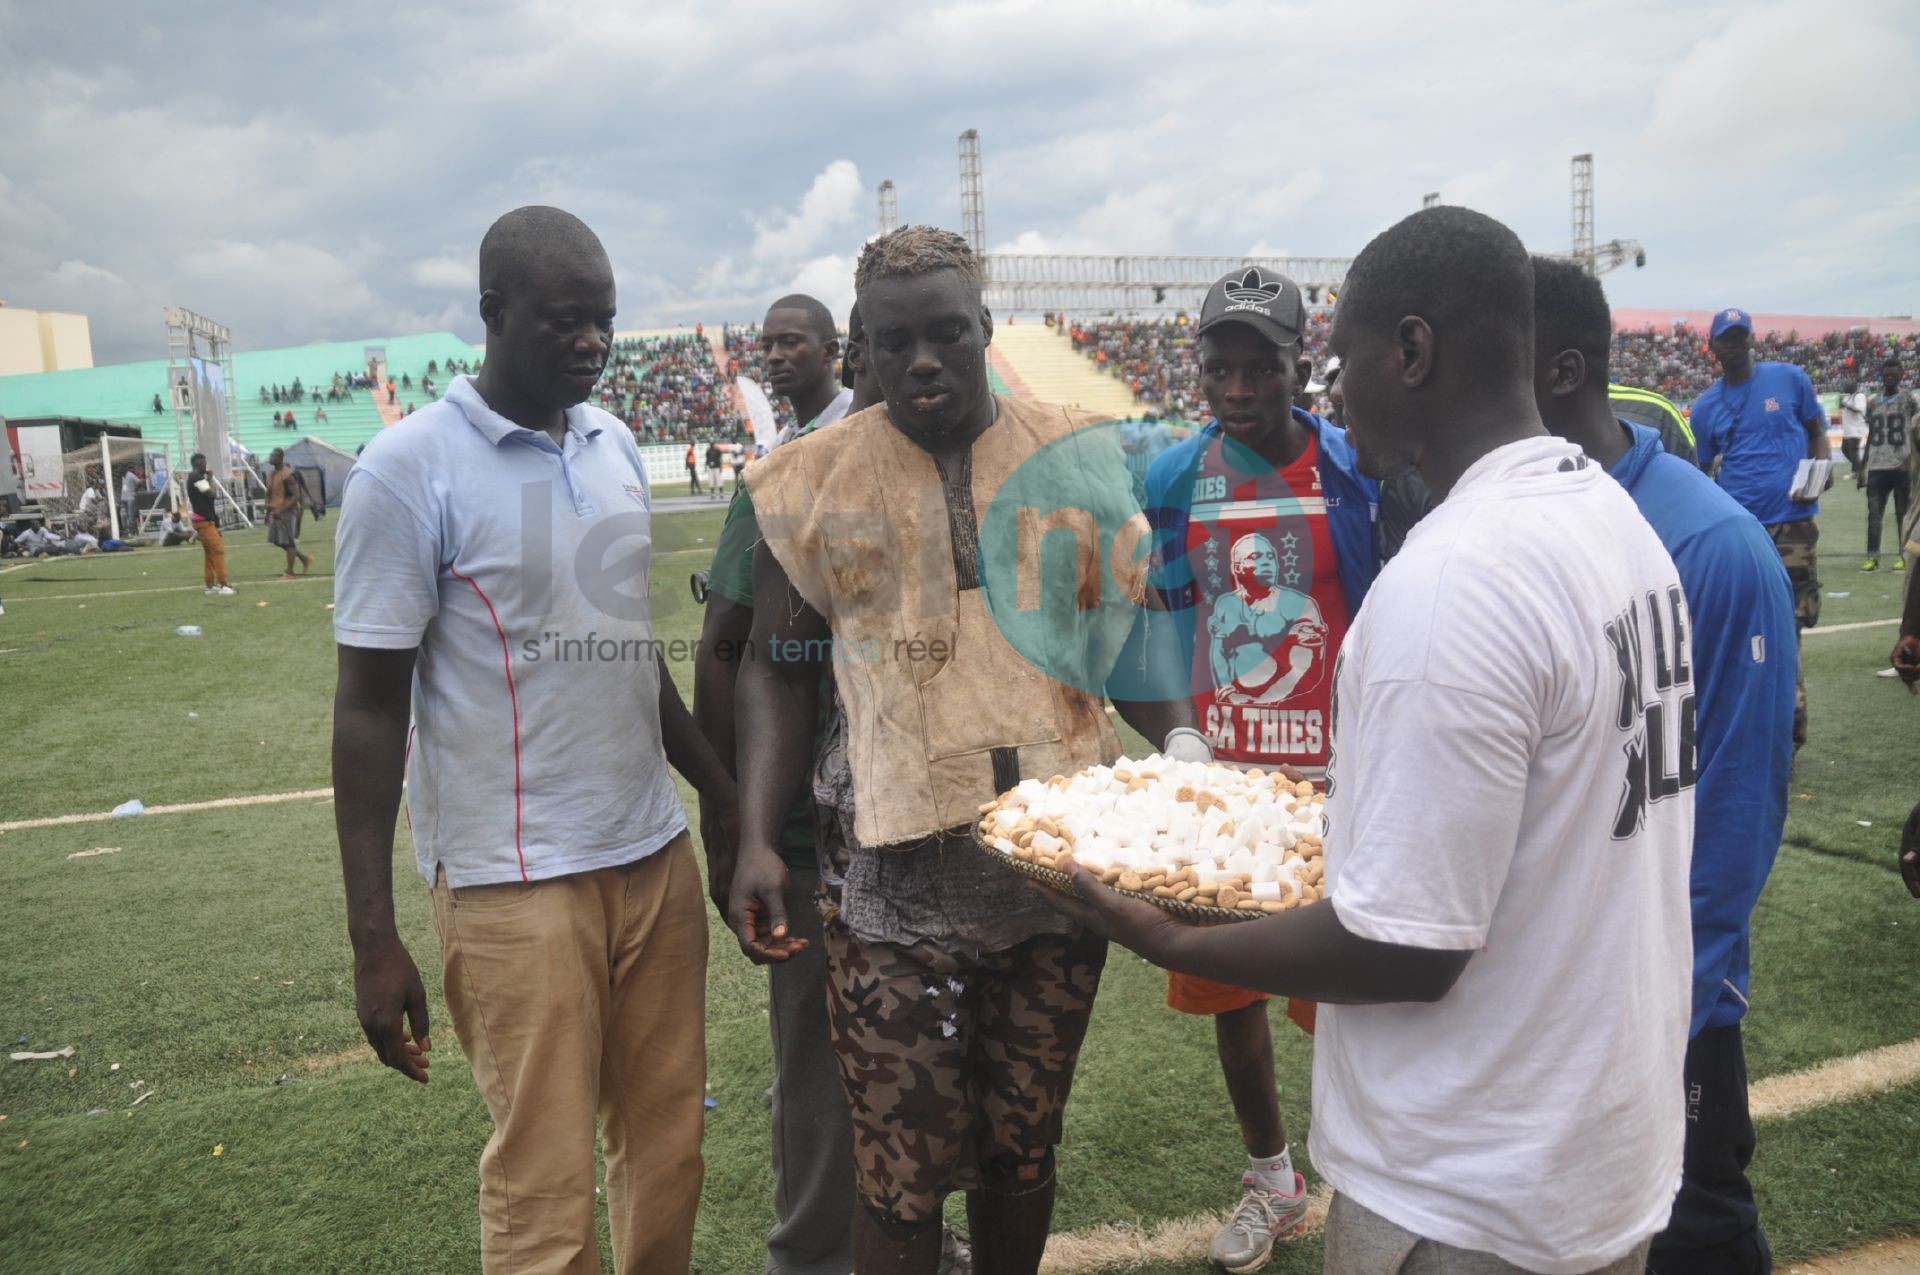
[520, 571]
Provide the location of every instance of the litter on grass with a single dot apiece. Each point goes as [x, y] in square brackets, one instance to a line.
[128, 809]
[88, 854]
[712, 1102]
[142, 1098]
[1847, 594]
[26, 1055]
[187, 630]
[1864, 823]
[219, 1149]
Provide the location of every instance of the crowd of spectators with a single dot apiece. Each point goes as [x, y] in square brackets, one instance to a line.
[746, 358]
[1676, 361]
[668, 389]
[1156, 358]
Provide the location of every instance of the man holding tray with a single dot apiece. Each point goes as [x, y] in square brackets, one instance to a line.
[1503, 958]
[905, 547]
[1268, 547]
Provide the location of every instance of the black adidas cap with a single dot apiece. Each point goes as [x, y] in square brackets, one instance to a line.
[1268, 303]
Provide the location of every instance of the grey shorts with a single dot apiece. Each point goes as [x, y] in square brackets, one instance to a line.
[283, 530]
[1361, 1242]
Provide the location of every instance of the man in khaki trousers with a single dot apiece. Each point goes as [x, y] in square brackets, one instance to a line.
[472, 588]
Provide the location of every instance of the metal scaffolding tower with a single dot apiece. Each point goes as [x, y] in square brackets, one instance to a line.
[889, 207]
[1091, 285]
[1583, 212]
[1430, 199]
[973, 195]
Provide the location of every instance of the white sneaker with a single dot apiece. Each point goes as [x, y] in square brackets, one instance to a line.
[211, 589]
[1245, 1243]
[225, 590]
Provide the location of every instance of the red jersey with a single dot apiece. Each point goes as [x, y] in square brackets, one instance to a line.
[1269, 612]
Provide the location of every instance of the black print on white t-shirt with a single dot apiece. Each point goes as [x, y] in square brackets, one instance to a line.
[1660, 751]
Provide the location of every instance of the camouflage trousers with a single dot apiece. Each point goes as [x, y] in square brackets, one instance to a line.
[1795, 541]
[955, 1067]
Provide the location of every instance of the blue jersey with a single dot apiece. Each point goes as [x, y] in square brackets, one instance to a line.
[1745, 663]
[1759, 432]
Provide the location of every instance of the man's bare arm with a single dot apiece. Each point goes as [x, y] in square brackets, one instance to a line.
[724, 633]
[1306, 952]
[371, 706]
[776, 701]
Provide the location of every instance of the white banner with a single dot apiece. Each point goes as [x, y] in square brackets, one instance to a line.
[760, 412]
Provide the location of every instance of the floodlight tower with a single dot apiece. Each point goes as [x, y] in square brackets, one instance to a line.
[1430, 200]
[1583, 212]
[889, 207]
[973, 196]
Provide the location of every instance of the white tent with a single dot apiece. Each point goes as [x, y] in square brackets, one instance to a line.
[324, 467]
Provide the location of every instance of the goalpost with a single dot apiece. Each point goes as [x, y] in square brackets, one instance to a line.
[98, 479]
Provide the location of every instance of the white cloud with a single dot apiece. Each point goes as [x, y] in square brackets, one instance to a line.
[445, 272]
[826, 208]
[724, 154]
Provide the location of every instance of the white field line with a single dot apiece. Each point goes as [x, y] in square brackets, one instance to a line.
[1816, 631]
[1836, 1080]
[190, 807]
[171, 588]
[1116, 1247]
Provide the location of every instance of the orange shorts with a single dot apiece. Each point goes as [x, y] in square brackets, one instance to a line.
[1193, 995]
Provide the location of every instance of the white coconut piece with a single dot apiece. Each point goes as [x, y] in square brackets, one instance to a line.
[1003, 845]
[1264, 890]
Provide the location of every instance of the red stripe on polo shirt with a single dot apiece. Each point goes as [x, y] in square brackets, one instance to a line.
[513, 698]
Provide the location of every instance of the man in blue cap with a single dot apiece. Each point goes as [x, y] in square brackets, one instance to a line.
[1759, 420]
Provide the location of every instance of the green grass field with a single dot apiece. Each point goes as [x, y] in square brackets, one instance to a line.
[206, 961]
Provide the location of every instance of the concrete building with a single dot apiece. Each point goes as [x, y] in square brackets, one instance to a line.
[43, 341]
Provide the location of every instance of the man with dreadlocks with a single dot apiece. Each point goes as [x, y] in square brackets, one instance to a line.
[958, 1000]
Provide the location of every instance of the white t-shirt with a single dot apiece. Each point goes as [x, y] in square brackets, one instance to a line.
[1515, 683]
[1853, 415]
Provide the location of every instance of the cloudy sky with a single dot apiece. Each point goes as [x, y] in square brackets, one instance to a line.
[325, 171]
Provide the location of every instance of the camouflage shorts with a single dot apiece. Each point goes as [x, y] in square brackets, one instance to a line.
[953, 1065]
[1796, 541]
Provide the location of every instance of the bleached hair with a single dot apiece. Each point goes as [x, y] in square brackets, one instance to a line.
[915, 250]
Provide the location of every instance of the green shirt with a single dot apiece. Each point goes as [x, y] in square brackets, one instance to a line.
[731, 576]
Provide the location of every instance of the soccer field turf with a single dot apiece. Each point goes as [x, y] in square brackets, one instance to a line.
[205, 961]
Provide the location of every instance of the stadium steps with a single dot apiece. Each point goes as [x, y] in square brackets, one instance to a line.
[1040, 363]
[124, 392]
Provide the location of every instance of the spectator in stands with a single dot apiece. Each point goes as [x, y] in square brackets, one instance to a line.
[1759, 420]
[286, 501]
[157, 408]
[319, 416]
[206, 526]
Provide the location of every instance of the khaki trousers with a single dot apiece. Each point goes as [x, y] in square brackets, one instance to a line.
[213, 551]
[576, 997]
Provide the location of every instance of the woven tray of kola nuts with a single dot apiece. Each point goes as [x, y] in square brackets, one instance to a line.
[1204, 842]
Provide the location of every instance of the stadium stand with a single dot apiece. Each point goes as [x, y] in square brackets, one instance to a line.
[125, 392]
[1050, 371]
[1153, 358]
